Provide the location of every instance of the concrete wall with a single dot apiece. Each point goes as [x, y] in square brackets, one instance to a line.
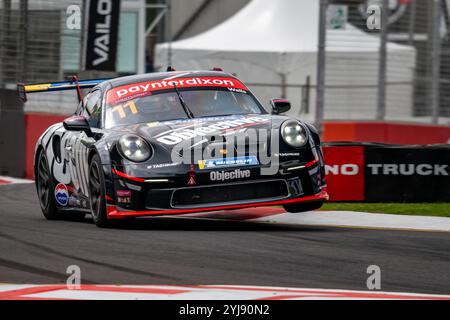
[12, 135]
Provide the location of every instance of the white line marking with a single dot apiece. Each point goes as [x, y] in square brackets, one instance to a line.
[361, 219]
[15, 180]
[211, 292]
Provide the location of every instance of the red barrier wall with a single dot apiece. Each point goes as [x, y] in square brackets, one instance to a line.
[345, 173]
[35, 125]
[385, 132]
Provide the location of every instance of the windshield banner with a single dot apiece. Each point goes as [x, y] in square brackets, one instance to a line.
[136, 90]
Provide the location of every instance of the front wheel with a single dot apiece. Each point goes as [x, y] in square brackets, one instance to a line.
[302, 207]
[97, 192]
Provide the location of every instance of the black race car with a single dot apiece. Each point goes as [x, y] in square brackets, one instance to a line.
[174, 143]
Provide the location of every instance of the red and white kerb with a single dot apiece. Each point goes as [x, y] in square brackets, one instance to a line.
[136, 90]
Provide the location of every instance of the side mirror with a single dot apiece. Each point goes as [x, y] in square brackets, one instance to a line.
[77, 123]
[280, 106]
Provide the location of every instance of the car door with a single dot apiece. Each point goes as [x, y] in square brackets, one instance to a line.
[79, 145]
[59, 149]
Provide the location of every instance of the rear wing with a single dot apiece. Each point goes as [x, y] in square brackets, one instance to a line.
[73, 84]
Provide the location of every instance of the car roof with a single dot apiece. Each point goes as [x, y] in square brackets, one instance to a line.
[120, 81]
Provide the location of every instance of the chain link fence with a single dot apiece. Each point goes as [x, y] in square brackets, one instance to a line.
[391, 64]
[35, 43]
[407, 82]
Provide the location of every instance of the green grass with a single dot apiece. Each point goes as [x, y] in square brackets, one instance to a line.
[417, 209]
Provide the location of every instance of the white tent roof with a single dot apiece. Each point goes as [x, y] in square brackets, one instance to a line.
[279, 26]
[272, 46]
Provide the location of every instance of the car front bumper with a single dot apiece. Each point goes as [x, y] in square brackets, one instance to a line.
[114, 212]
[170, 193]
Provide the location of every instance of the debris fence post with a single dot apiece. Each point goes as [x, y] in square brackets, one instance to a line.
[320, 88]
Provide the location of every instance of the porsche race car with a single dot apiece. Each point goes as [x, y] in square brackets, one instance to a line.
[174, 143]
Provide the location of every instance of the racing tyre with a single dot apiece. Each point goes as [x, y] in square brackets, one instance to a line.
[45, 189]
[302, 207]
[97, 192]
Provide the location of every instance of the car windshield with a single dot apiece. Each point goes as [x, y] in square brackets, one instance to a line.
[164, 106]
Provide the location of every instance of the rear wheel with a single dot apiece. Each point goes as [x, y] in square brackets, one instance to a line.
[302, 207]
[97, 192]
[45, 188]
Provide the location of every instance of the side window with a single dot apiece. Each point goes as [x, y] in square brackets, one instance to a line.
[93, 108]
[79, 109]
[83, 111]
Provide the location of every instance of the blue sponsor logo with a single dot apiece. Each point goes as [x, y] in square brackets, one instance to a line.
[227, 162]
[62, 194]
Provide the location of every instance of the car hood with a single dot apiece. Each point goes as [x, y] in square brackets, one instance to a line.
[180, 141]
[171, 133]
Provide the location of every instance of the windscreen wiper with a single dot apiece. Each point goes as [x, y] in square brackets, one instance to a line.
[183, 103]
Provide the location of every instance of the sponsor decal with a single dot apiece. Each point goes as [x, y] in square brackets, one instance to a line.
[199, 121]
[123, 196]
[287, 154]
[229, 175]
[62, 194]
[125, 200]
[176, 137]
[135, 90]
[237, 90]
[123, 193]
[162, 165]
[227, 162]
[191, 181]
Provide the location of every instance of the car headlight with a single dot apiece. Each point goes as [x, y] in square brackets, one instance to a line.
[134, 148]
[293, 133]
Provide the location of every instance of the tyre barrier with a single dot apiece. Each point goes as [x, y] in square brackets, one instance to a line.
[373, 172]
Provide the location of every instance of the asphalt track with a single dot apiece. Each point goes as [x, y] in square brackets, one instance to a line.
[194, 251]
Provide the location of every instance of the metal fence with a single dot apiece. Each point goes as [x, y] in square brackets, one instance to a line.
[36, 45]
[399, 72]
[35, 42]
[391, 64]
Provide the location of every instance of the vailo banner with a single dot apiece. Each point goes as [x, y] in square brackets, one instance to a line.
[102, 34]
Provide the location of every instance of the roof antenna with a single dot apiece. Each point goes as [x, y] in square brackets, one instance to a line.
[74, 78]
[169, 68]
[217, 69]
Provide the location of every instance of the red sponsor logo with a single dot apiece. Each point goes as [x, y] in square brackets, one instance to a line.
[123, 193]
[136, 90]
[345, 173]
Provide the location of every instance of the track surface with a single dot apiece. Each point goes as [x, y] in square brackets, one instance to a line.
[191, 251]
